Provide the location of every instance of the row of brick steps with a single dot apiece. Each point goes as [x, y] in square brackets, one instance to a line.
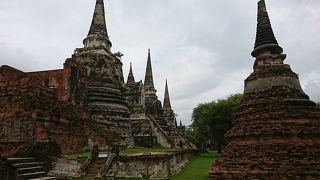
[100, 166]
[106, 166]
[28, 169]
[95, 167]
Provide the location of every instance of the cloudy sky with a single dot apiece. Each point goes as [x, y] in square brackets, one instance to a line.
[202, 46]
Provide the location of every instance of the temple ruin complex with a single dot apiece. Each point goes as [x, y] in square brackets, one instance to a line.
[85, 103]
[90, 105]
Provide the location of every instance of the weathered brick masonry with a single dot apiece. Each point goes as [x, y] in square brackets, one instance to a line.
[276, 133]
[85, 103]
[30, 113]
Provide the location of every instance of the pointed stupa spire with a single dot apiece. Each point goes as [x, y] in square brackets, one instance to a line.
[130, 76]
[148, 80]
[98, 35]
[166, 101]
[265, 39]
[180, 123]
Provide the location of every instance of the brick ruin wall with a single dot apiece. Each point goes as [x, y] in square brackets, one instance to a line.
[30, 112]
[57, 79]
[153, 166]
[275, 134]
[273, 140]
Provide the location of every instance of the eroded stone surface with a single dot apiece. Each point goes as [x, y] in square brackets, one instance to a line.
[31, 113]
[153, 165]
[85, 103]
[276, 132]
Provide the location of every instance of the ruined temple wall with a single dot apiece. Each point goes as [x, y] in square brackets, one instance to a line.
[17, 124]
[58, 79]
[8, 73]
[96, 138]
[154, 166]
[30, 113]
[151, 166]
[16, 113]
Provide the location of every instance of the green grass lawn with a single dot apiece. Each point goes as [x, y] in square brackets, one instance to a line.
[79, 154]
[126, 152]
[81, 178]
[131, 151]
[131, 179]
[197, 169]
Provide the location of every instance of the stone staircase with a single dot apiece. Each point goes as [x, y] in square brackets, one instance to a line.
[177, 168]
[28, 168]
[106, 166]
[95, 167]
[162, 123]
[162, 138]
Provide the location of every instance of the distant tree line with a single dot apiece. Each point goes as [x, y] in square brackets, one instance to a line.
[210, 121]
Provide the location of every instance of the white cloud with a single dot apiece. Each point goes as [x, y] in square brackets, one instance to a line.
[202, 47]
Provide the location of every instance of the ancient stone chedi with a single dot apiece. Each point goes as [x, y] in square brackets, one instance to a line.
[152, 123]
[85, 103]
[100, 81]
[276, 132]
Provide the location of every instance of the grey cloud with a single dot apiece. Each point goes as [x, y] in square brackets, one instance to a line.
[312, 88]
[14, 56]
[202, 46]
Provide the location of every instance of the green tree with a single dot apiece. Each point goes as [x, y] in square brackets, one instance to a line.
[210, 121]
[318, 104]
[118, 54]
[191, 134]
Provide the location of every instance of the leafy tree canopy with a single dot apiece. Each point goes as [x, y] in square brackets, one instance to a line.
[118, 54]
[210, 121]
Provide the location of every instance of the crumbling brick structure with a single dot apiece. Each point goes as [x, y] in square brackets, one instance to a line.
[85, 103]
[31, 113]
[276, 132]
[152, 123]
